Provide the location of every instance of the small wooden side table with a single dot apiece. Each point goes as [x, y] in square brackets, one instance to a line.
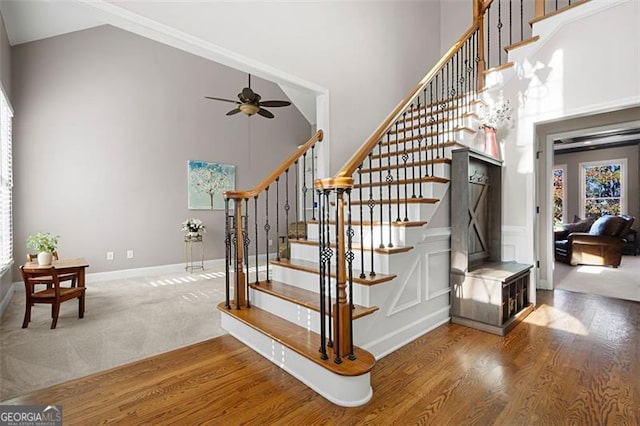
[191, 243]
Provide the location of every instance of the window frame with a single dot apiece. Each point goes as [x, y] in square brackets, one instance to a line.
[623, 181]
[6, 182]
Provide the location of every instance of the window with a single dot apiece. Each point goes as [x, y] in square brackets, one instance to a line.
[603, 188]
[6, 183]
[559, 195]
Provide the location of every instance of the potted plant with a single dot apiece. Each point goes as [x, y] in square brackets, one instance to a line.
[44, 244]
[489, 121]
[193, 226]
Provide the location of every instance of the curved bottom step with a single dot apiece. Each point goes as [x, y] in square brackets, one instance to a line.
[343, 390]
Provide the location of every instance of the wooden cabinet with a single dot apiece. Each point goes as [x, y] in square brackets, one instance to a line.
[486, 292]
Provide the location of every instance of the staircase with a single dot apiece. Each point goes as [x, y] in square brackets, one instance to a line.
[369, 270]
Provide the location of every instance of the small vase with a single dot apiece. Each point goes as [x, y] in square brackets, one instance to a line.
[193, 234]
[44, 258]
[490, 143]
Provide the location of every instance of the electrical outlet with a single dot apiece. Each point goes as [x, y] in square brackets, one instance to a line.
[270, 243]
[129, 254]
[109, 255]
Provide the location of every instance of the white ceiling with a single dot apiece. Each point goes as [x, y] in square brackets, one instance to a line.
[32, 20]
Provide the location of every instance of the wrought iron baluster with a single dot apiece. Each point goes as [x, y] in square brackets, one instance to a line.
[245, 241]
[397, 173]
[337, 331]
[304, 188]
[372, 205]
[380, 181]
[362, 274]
[499, 26]
[389, 180]
[421, 139]
[349, 257]
[447, 110]
[413, 150]
[432, 121]
[327, 194]
[278, 218]
[322, 261]
[227, 244]
[286, 213]
[267, 228]
[405, 158]
[313, 179]
[255, 226]
[489, 37]
[521, 19]
[510, 23]
[297, 206]
[236, 275]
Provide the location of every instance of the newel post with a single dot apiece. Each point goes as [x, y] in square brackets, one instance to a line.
[238, 241]
[478, 16]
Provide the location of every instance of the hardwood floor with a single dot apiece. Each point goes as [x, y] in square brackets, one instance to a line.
[575, 360]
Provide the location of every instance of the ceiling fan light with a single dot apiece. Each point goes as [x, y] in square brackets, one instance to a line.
[249, 109]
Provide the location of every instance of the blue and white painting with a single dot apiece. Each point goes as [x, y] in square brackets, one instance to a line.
[207, 183]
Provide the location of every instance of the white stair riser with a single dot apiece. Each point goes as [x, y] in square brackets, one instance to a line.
[310, 253]
[439, 170]
[398, 234]
[346, 391]
[311, 282]
[429, 190]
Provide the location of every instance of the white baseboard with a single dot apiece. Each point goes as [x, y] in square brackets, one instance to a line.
[7, 298]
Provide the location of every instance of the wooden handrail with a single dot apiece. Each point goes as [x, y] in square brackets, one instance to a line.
[363, 152]
[278, 171]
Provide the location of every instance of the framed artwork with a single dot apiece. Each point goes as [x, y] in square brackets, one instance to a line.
[207, 182]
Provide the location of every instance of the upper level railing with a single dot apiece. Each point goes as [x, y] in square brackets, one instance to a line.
[290, 187]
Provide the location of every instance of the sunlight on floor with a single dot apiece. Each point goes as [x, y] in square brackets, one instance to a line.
[551, 317]
[594, 270]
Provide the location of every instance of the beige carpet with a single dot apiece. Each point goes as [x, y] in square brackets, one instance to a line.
[622, 282]
[125, 320]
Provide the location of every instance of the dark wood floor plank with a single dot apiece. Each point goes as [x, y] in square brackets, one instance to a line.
[574, 360]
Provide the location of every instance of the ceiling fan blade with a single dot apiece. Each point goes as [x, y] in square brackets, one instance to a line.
[275, 103]
[223, 100]
[234, 111]
[263, 112]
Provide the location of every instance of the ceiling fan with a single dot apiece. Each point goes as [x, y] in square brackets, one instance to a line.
[250, 103]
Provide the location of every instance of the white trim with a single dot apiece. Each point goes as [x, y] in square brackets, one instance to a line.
[4, 93]
[4, 303]
[623, 181]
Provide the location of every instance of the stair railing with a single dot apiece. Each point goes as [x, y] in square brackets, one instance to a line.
[402, 154]
[242, 216]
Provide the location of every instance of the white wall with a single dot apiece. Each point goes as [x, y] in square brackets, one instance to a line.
[456, 17]
[588, 65]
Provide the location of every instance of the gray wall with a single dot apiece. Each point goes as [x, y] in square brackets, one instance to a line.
[5, 59]
[5, 79]
[573, 160]
[105, 124]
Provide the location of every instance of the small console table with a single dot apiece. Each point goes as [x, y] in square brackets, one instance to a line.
[193, 243]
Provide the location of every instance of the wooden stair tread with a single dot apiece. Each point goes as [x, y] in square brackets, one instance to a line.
[409, 224]
[502, 67]
[429, 114]
[302, 297]
[415, 137]
[521, 43]
[314, 268]
[384, 250]
[300, 340]
[423, 200]
[424, 179]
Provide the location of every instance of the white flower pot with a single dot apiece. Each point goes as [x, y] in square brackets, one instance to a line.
[44, 259]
